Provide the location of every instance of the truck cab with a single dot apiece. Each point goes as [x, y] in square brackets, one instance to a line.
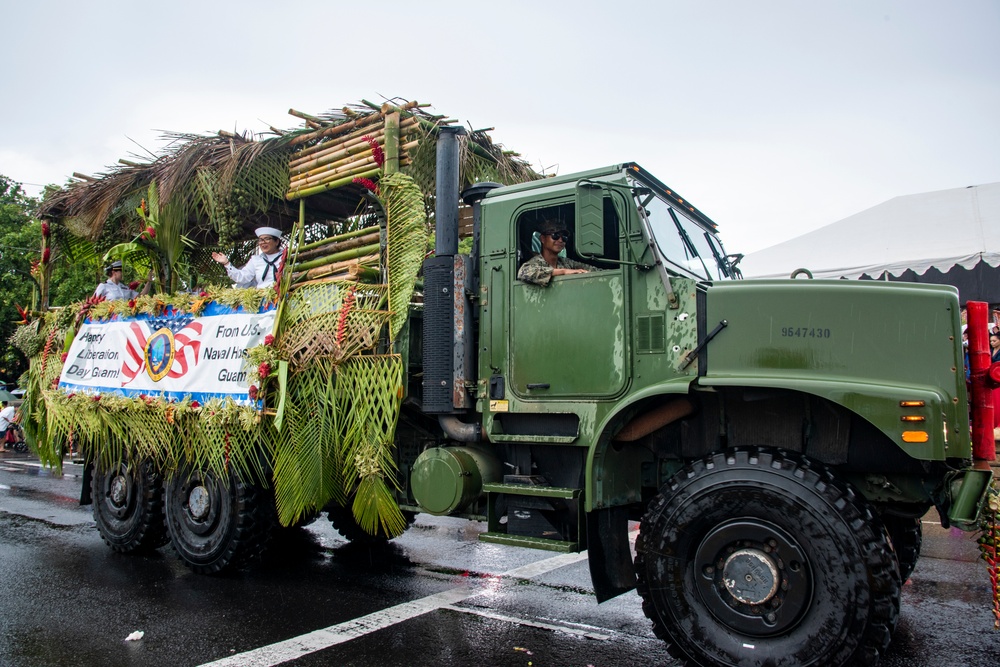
[758, 431]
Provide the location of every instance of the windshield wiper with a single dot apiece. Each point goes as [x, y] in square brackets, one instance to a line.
[654, 248]
[719, 258]
[688, 242]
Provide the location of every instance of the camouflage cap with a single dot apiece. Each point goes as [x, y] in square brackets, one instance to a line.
[551, 225]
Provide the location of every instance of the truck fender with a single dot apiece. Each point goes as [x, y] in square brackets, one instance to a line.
[609, 553]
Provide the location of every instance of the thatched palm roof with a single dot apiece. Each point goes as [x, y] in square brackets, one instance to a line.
[225, 185]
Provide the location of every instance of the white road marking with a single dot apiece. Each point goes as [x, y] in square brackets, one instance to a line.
[296, 647]
[532, 624]
[36, 464]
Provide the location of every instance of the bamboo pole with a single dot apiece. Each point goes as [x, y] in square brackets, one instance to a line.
[337, 247]
[330, 269]
[342, 163]
[345, 127]
[332, 154]
[348, 169]
[361, 272]
[332, 185]
[336, 130]
[327, 147]
[338, 238]
[311, 121]
[392, 130]
[303, 116]
[348, 163]
[336, 170]
[353, 253]
[331, 151]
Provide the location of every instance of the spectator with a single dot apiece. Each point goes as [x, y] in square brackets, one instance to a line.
[6, 423]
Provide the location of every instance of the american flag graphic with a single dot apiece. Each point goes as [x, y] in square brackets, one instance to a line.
[187, 344]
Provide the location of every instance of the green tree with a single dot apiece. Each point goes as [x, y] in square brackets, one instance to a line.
[20, 245]
[20, 237]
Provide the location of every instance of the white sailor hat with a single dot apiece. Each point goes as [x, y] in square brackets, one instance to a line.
[268, 231]
[117, 264]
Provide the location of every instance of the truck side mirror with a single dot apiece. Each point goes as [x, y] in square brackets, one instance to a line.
[589, 219]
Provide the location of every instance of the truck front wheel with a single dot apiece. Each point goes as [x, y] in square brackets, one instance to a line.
[215, 524]
[128, 507]
[761, 557]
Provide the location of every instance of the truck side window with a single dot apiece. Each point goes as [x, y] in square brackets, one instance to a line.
[528, 244]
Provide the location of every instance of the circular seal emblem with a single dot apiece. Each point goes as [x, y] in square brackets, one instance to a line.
[159, 354]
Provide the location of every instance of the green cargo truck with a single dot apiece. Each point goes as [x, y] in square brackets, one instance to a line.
[777, 441]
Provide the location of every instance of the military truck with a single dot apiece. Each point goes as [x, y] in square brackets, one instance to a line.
[777, 441]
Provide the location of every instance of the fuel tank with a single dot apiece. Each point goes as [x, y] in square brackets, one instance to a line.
[446, 480]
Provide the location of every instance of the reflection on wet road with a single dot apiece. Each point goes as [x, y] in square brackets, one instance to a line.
[435, 596]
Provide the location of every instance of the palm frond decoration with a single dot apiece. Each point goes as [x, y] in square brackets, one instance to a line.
[369, 394]
[405, 223]
[306, 461]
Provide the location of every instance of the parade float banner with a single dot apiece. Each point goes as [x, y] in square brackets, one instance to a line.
[173, 356]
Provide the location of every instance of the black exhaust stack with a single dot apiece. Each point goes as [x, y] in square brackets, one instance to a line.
[446, 324]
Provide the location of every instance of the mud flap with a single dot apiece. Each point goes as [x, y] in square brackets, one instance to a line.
[88, 475]
[610, 557]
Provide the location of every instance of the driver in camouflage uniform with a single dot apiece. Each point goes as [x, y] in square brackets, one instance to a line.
[539, 269]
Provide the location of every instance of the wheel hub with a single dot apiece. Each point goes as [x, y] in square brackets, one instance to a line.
[118, 491]
[199, 503]
[751, 576]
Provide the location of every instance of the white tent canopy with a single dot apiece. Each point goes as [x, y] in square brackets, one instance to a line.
[915, 232]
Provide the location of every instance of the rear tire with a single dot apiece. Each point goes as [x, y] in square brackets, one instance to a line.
[764, 558]
[344, 523]
[216, 524]
[906, 534]
[128, 507]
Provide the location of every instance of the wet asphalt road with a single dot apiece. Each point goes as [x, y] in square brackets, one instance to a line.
[436, 596]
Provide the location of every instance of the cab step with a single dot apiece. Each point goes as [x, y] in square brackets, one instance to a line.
[534, 516]
[541, 543]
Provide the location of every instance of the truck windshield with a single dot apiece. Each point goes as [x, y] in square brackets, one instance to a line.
[686, 246]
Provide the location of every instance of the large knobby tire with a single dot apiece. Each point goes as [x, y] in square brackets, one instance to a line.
[343, 521]
[763, 558]
[216, 524]
[128, 507]
[906, 535]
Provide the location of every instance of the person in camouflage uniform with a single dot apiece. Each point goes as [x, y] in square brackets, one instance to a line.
[539, 269]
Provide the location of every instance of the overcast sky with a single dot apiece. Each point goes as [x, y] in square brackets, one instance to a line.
[773, 117]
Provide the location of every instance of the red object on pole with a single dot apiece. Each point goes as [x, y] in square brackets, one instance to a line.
[983, 446]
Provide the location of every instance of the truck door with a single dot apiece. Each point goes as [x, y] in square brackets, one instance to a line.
[567, 339]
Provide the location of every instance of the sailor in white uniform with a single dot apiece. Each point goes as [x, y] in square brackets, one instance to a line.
[262, 269]
[113, 289]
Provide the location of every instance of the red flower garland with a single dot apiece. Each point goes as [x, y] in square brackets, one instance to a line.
[345, 308]
[366, 183]
[377, 153]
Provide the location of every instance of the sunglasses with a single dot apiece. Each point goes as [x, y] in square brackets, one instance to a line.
[265, 239]
[561, 235]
